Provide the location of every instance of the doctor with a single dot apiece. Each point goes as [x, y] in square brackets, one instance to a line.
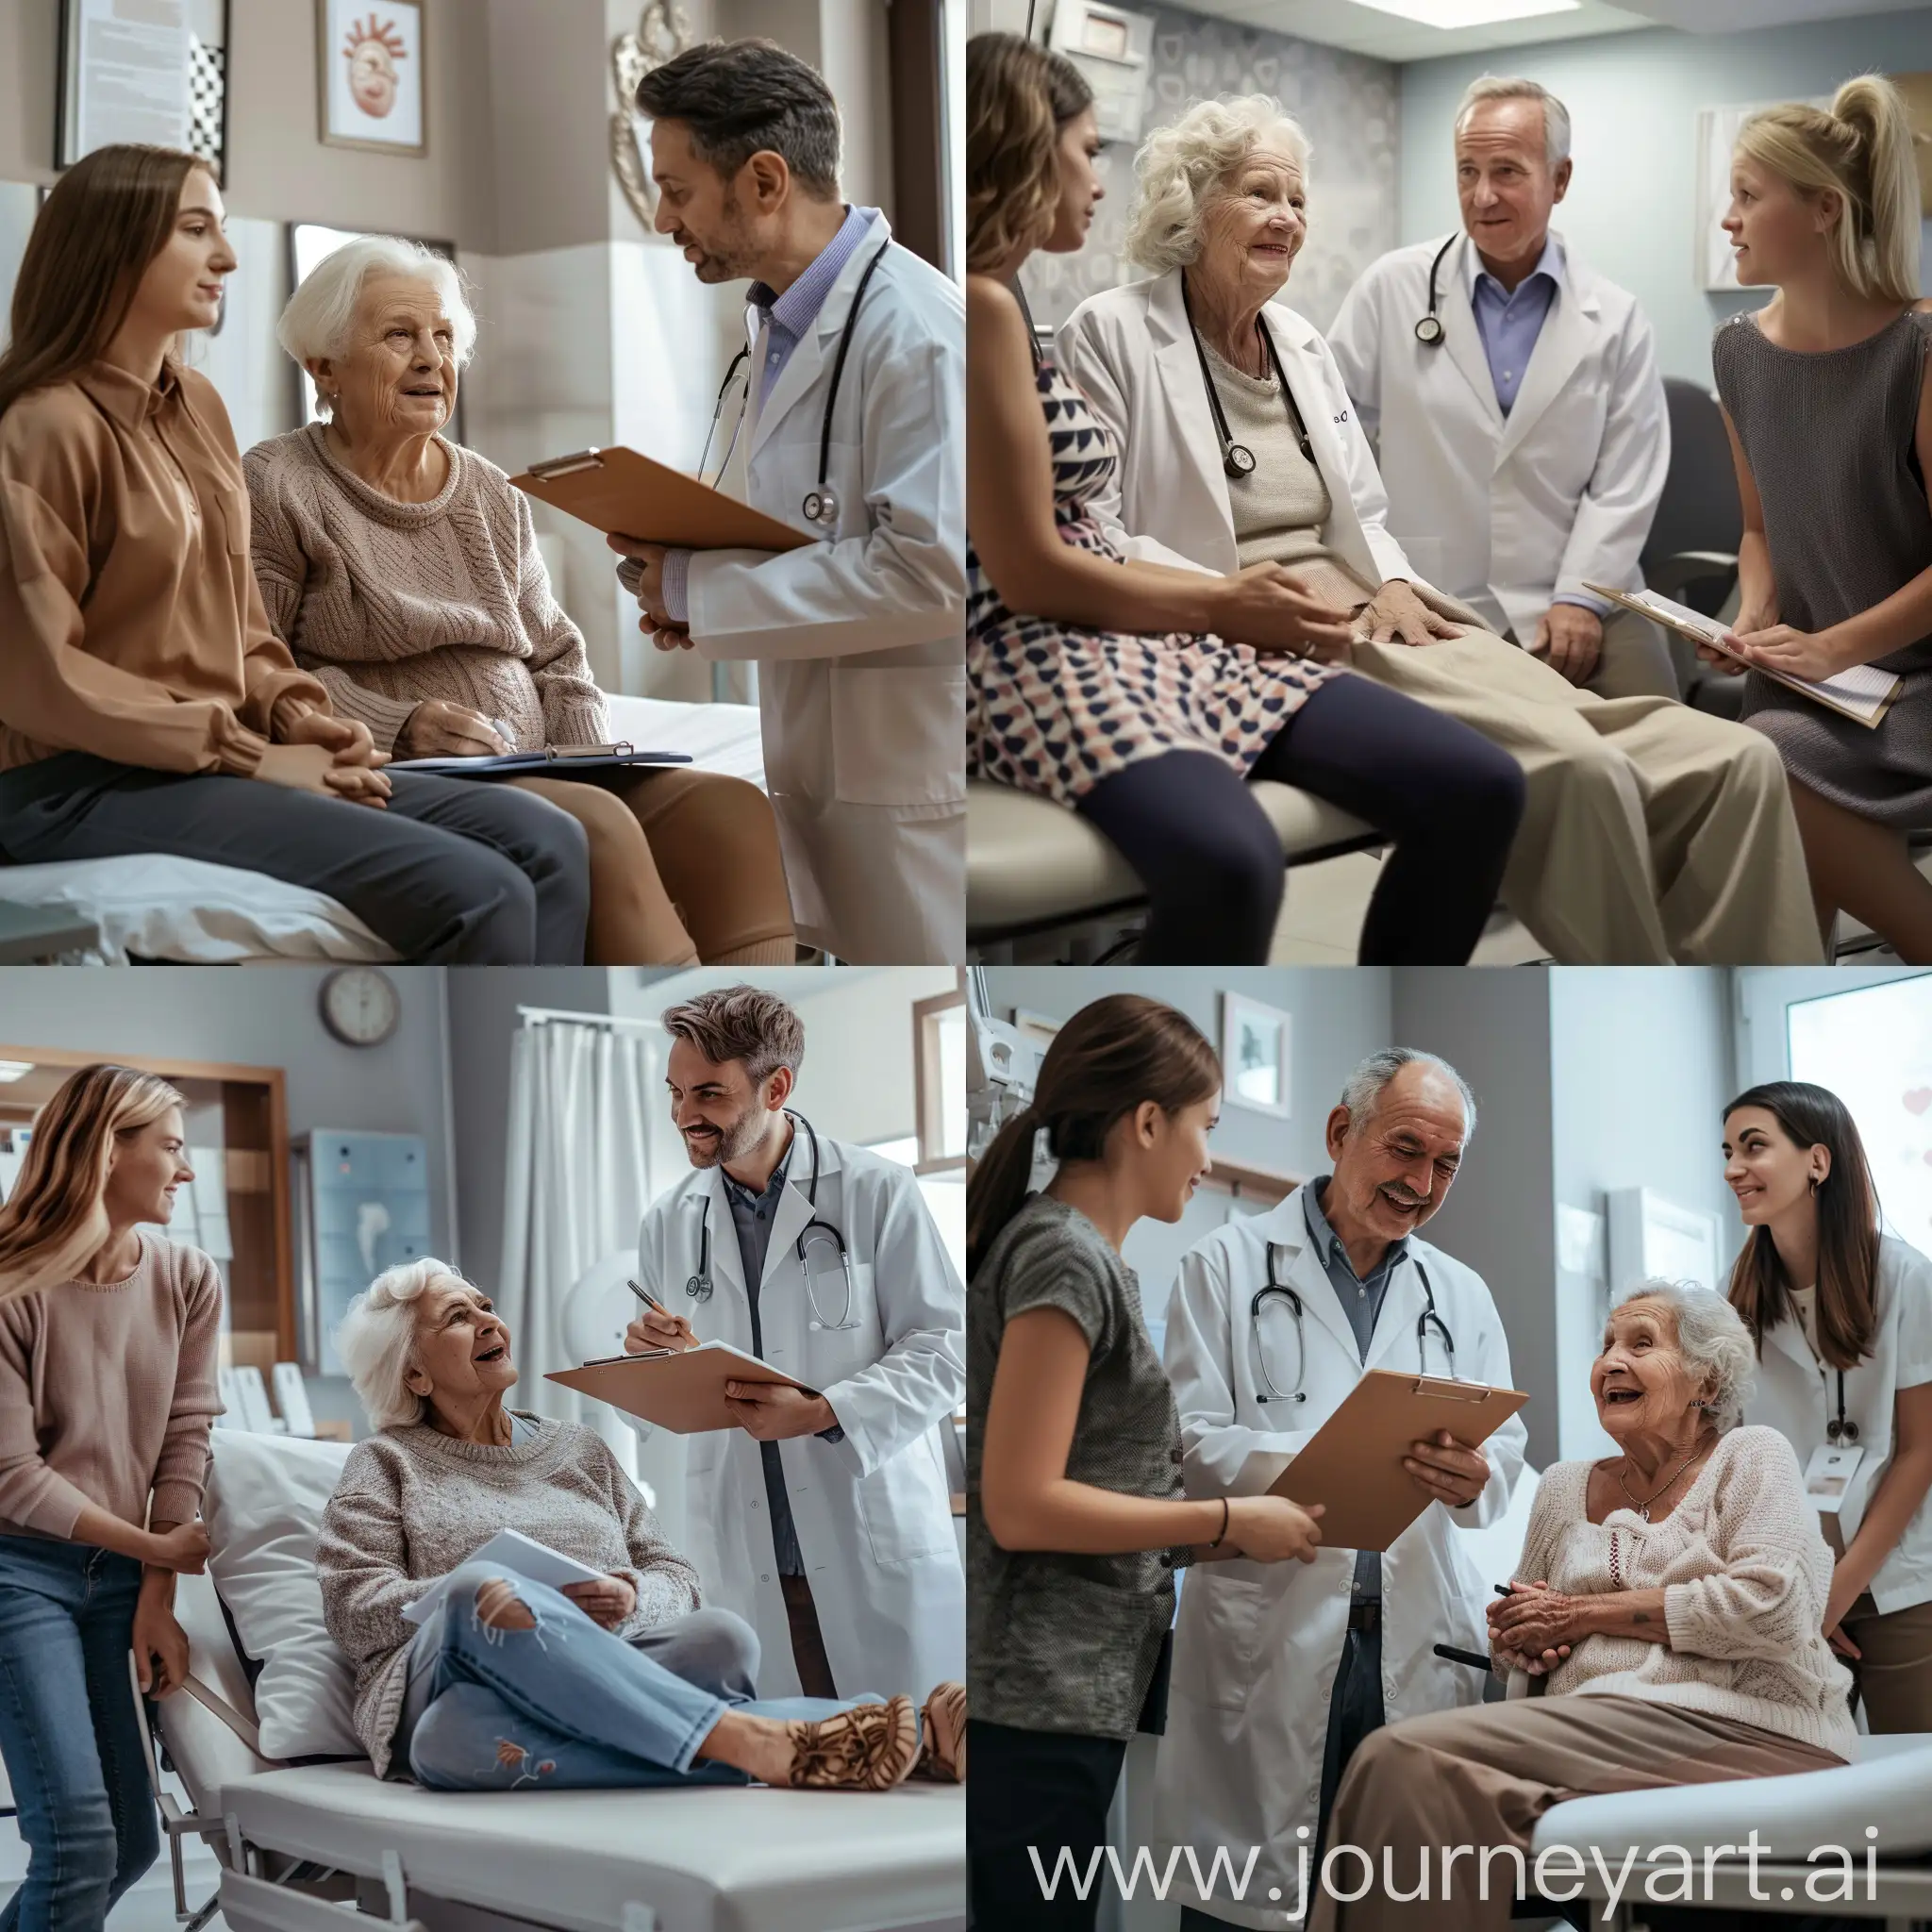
[1279, 1678]
[1515, 396]
[844, 417]
[824, 1520]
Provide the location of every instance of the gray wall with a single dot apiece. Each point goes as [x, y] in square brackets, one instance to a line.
[1632, 100]
[1345, 103]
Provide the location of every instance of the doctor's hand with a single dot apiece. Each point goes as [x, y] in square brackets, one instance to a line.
[774, 1410]
[1271, 609]
[1572, 639]
[1396, 614]
[1271, 1529]
[608, 1601]
[1450, 1471]
[654, 1330]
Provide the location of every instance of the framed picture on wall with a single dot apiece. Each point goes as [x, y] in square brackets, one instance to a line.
[156, 73]
[370, 57]
[1254, 1055]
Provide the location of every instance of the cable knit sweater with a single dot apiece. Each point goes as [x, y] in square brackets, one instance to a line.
[1744, 1572]
[413, 1505]
[390, 604]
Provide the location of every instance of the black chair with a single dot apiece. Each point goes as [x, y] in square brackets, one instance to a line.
[1692, 556]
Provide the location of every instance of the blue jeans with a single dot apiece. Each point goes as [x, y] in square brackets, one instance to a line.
[70, 1732]
[567, 1706]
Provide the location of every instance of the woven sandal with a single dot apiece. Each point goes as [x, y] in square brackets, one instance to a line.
[870, 1748]
[943, 1722]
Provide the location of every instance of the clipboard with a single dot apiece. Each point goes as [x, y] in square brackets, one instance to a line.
[621, 492]
[679, 1390]
[557, 760]
[1876, 692]
[1353, 1466]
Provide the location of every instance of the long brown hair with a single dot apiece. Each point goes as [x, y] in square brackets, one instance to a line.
[109, 216]
[55, 1220]
[1809, 1116]
[1012, 175]
[1107, 1059]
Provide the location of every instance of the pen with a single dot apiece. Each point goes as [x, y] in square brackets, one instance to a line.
[650, 1300]
[1502, 1589]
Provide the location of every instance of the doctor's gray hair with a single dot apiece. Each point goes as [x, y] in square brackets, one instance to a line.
[1182, 167]
[737, 98]
[1362, 1092]
[1496, 87]
[379, 1337]
[1712, 1337]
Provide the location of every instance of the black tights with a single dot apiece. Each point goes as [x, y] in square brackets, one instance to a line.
[1211, 863]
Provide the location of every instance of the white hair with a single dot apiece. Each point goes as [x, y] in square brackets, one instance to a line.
[1363, 1090]
[317, 319]
[377, 1339]
[1182, 167]
[1712, 1337]
[1496, 87]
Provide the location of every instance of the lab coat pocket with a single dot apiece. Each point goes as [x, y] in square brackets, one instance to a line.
[899, 734]
[905, 1506]
[1221, 1635]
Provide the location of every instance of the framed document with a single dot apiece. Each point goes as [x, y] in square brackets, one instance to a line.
[369, 65]
[154, 73]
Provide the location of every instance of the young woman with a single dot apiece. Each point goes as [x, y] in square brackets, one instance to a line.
[1076, 1510]
[108, 1343]
[1841, 1315]
[1828, 392]
[1142, 695]
[145, 705]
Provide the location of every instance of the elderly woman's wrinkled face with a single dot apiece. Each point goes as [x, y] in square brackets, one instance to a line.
[145, 1167]
[1253, 227]
[1640, 1381]
[460, 1353]
[1767, 1171]
[182, 287]
[1077, 149]
[1776, 232]
[396, 377]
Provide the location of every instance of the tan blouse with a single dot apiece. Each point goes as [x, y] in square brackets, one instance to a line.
[131, 624]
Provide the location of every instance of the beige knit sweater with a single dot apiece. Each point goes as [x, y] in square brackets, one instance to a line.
[390, 604]
[1744, 1574]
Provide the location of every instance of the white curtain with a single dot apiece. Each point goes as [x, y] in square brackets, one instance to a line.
[577, 1184]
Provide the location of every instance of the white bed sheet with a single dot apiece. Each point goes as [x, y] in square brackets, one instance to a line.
[187, 911]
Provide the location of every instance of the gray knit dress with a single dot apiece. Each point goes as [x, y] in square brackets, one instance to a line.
[1829, 439]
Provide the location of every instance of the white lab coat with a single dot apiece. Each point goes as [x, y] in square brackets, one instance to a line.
[1793, 1394]
[874, 1514]
[863, 684]
[1130, 353]
[1503, 512]
[1257, 1645]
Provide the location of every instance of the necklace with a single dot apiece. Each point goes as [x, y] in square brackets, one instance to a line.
[1642, 1507]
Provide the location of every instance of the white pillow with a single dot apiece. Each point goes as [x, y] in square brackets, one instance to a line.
[265, 1499]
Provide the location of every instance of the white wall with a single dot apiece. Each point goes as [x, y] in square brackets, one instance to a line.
[1759, 1039]
[1633, 101]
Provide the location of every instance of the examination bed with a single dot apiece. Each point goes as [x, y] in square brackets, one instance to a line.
[190, 912]
[1036, 870]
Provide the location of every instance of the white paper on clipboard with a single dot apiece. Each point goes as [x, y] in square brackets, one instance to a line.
[513, 1549]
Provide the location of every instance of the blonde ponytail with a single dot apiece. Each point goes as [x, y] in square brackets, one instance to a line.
[1862, 147]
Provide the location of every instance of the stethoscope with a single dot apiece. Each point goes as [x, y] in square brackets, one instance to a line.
[1838, 1429]
[1428, 331]
[699, 1286]
[1237, 458]
[821, 505]
[1281, 1290]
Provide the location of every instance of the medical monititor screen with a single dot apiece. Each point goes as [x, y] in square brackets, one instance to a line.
[1872, 1048]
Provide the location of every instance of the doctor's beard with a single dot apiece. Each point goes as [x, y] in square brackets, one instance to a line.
[734, 1139]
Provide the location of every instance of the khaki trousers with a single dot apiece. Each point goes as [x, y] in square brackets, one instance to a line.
[1633, 662]
[1483, 1776]
[1895, 1671]
[1654, 833]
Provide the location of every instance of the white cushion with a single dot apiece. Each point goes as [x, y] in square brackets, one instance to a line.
[719, 738]
[265, 1499]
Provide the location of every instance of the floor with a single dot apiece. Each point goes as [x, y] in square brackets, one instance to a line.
[1321, 914]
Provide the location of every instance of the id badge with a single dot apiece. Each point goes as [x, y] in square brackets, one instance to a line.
[1828, 1476]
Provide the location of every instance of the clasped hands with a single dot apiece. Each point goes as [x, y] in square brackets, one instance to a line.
[316, 750]
[1532, 1627]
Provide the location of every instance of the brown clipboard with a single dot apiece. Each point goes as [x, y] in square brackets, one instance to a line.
[1353, 1466]
[621, 492]
[679, 1390]
[1796, 684]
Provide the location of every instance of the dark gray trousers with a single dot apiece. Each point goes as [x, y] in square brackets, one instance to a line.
[454, 872]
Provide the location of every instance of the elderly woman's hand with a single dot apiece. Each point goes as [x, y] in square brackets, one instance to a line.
[608, 1601]
[1271, 609]
[1396, 614]
[438, 729]
[1534, 1619]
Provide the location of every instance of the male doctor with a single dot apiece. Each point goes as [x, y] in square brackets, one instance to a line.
[862, 632]
[1278, 1678]
[823, 1519]
[1518, 409]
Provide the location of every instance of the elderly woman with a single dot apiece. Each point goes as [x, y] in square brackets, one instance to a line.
[1653, 832]
[506, 1682]
[402, 571]
[1669, 1603]
[1146, 698]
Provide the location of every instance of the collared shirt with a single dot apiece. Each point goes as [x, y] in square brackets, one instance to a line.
[783, 321]
[1509, 322]
[1361, 1302]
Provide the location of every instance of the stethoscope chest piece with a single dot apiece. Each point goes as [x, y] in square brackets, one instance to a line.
[1428, 331]
[820, 507]
[1240, 459]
